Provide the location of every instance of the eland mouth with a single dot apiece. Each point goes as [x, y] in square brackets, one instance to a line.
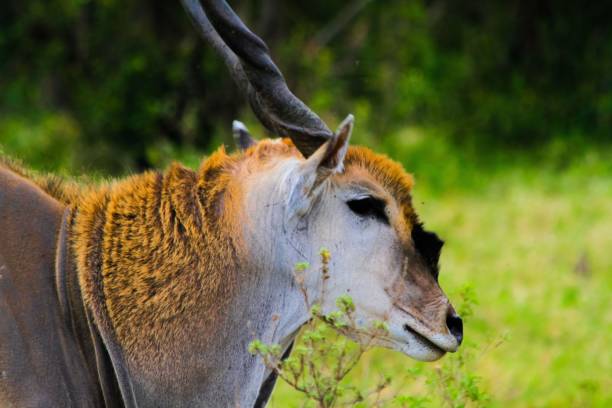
[437, 342]
[422, 347]
[425, 340]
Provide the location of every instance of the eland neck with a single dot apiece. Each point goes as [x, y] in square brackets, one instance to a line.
[177, 284]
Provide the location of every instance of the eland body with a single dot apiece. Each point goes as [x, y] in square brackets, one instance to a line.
[147, 291]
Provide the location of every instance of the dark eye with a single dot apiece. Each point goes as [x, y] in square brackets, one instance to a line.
[369, 207]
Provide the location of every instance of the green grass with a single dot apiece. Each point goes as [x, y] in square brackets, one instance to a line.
[534, 239]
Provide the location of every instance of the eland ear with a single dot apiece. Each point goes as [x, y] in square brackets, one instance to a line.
[325, 161]
[329, 158]
[242, 137]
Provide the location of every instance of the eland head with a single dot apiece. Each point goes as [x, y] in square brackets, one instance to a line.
[358, 205]
[315, 191]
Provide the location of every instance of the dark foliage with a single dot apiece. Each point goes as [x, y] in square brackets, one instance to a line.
[132, 74]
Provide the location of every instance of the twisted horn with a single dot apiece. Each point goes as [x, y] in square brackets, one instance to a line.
[258, 78]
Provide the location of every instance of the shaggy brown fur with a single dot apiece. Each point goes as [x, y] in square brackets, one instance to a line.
[155, 254]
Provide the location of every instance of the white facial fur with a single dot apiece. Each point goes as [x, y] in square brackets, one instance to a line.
[366, 260]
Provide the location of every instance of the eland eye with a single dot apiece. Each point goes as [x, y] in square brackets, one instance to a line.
[369, 207]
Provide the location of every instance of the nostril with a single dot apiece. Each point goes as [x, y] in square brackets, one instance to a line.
[455, 326]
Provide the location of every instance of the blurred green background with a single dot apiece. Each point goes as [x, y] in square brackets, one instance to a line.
[501, 110]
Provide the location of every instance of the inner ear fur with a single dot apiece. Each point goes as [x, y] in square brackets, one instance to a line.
[338, 146]
[329, 158]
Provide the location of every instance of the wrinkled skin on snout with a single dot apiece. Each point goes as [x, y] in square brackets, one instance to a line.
[357, 205]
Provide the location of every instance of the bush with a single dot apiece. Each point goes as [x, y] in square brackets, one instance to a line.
[324, 355]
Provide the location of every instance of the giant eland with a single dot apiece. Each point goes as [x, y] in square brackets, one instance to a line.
[146, 291]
